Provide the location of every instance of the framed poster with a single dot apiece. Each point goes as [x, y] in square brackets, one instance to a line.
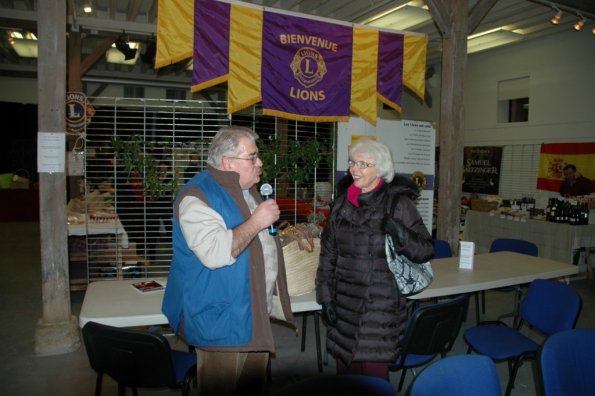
[482, 170]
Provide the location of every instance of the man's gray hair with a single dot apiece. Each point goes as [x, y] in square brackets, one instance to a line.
[226, 142]
[379, 153]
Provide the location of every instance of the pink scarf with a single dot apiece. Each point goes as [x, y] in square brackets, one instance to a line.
[354, 192]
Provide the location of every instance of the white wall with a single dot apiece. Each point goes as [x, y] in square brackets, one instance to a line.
[561, 70]
[18, 90]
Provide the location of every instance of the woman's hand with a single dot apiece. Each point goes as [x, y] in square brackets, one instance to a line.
[329, 313]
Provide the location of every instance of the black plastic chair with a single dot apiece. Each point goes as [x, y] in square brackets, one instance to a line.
[517, 246]
[442, 250]
[431, 331]
[137, 359]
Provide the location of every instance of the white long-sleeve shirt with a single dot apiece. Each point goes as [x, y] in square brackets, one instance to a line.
[209, 238]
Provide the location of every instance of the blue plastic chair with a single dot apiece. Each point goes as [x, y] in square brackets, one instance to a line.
[517, 246]
[339, 384]
[431, 331]
[441, 249]
[549, 307]
[462, 375]
[566, 363]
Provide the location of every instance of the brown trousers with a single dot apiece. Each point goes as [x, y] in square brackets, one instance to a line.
[232, 373]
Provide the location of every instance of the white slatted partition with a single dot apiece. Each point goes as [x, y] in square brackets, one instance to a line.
[175, 134]
[518, 176]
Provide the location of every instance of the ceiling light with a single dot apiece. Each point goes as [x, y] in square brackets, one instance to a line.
[24, 44]
[123, 52]
[579, 25]
[401, 18]
[490, 39]
[24, 47]
[88, 7]
[556, 18]
[123, 46]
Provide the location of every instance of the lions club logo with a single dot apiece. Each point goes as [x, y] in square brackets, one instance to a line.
[308, 67]
[420, 179]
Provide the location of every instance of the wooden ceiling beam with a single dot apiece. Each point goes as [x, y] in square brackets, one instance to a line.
[96, 54]
[133, 9]
[478, 12]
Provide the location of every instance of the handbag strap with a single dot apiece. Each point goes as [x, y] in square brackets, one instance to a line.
[393, 203]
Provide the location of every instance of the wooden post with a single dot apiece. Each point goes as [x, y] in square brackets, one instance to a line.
[57, 330]
[454, 23]
[452, 122]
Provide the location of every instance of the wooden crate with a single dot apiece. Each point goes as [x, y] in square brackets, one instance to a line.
[481, 205]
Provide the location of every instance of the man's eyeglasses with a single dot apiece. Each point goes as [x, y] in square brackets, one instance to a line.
[252, 158]
[360, 164]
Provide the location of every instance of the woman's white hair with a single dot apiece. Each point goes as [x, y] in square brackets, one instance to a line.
[226, 142]
[379, 153]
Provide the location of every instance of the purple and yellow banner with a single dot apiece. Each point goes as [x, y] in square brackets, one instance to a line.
[308, 68]
[175, 27]
[390, 69]
[211, 44]
[300, 68]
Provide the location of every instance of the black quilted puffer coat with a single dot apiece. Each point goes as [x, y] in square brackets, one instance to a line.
[353, 272]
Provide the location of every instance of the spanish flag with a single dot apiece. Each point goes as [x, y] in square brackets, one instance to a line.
[555, 156]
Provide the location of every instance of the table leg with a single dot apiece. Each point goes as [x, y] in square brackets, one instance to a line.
[588, 262]
[304, 325]
[317, 330]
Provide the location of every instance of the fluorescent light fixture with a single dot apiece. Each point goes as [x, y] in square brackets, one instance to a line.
[401, 18]
[113, 55]
[24, 43]
[24, 47]
[490, 39]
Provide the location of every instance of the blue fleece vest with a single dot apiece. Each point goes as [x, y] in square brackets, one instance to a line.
[214, 304]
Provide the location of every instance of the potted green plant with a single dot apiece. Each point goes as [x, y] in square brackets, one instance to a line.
[136, 158]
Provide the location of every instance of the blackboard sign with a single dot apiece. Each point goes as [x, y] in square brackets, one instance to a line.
[482, 169]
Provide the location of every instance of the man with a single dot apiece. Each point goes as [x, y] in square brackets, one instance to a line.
[574, 184]
[227, 274]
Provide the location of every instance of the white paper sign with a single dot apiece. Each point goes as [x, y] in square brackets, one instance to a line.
[76, 163]
[466, 253]
[51, 152]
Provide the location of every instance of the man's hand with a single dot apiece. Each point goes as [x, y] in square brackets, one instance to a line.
[266, 213]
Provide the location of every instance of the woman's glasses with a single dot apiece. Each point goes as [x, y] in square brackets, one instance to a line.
[360, 164]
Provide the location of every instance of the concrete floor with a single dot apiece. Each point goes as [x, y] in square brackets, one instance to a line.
[23, 373]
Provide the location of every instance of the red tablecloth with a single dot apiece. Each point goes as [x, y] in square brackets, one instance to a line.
[302, 208]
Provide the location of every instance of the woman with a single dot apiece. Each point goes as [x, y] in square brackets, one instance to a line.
[364, 311]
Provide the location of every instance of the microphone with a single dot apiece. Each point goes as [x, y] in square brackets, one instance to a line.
[266, 190]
